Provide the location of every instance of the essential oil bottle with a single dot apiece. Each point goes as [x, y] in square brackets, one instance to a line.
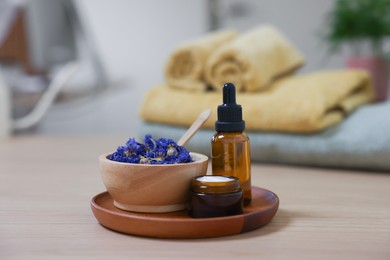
[230, 149]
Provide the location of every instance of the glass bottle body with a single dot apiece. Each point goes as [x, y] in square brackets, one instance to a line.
[230, 155]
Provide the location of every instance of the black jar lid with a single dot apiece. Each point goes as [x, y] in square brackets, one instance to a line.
[215, 184]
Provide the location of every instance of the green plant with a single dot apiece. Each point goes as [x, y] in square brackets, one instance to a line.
[355, 21]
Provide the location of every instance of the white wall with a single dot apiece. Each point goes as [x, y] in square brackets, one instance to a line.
[136, 37]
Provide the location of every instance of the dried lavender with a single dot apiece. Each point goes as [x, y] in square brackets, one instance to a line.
[160, 151]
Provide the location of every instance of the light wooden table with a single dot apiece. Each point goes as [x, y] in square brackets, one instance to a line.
[46, 184]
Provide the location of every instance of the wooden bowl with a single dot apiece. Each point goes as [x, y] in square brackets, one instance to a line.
[150, 188]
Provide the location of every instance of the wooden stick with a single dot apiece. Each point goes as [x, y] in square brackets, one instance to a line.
[202, 118]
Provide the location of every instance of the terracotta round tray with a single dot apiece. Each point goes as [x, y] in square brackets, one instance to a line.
[179, 225]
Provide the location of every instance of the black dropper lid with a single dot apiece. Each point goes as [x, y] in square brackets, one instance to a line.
[229, 113]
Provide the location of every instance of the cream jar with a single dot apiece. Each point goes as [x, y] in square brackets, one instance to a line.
[215, 196]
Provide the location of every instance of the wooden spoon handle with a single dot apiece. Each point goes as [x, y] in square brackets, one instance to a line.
[194, 127]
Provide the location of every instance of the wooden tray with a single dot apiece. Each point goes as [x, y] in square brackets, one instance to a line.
[179, 225]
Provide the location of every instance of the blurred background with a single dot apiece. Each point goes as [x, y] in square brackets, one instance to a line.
[119, 49]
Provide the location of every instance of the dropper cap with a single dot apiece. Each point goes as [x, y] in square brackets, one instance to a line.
[229, 113]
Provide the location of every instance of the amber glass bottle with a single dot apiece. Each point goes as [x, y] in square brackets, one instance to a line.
[230, 148]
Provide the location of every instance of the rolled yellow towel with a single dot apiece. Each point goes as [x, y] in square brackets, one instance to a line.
[185, 67]
[304, 103]
[253, 60]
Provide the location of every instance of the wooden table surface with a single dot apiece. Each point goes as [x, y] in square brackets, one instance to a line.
[46, 184]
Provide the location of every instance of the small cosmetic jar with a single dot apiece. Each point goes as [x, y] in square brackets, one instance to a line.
[215, 196]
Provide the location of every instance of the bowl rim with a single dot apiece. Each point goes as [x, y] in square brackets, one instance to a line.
[202, 158]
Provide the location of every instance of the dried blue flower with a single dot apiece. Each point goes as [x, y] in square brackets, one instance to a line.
[161, 151]
[150, 143]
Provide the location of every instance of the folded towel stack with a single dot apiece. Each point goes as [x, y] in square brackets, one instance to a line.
[261, 63]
